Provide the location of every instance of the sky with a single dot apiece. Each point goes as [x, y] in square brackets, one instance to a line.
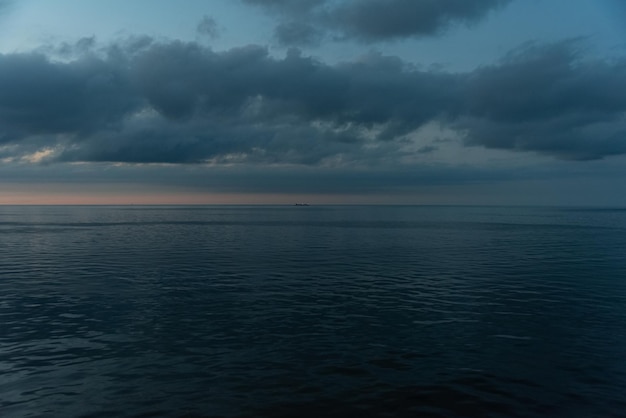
[473, 102]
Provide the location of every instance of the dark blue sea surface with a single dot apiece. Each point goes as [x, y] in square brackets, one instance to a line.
[329, 311]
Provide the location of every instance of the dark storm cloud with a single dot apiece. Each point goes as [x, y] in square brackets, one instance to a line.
[372, 20]
[38, 96]
[385, 19]
[143, 101]
[245, 104]
[549, 99]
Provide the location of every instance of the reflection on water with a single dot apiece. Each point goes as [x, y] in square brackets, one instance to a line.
[312, 311]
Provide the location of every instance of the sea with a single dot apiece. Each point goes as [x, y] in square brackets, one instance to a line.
[312, 311]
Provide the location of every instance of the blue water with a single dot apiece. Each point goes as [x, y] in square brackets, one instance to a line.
[312, 312]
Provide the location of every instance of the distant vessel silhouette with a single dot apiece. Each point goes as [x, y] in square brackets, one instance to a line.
[301, 204]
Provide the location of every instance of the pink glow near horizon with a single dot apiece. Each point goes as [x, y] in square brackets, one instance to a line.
[64, 198]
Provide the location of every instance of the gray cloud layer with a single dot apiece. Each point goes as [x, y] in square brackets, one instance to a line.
[548, 99]
[144, 101]
[303, 22]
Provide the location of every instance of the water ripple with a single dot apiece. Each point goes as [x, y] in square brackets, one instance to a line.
[334, 311]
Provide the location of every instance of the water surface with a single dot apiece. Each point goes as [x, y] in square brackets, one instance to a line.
[312, 311]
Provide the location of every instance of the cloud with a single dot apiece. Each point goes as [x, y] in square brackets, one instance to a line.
[378, 19]
[42, 97]
[551, 100]
[142, 101]
[427, 149]
[300, 7]
[298, 33]
[208, 27]
[372, 20]
[267, 179]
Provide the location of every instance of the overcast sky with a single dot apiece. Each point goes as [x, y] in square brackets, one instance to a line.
[323, 101]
